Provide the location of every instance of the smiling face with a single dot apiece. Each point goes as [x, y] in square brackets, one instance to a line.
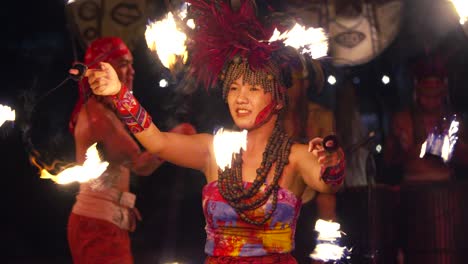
[123, 65]
[249, 105]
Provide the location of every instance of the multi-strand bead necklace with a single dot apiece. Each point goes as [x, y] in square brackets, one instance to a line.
[244, 199]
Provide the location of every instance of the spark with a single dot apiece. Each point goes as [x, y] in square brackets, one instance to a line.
[226, 143]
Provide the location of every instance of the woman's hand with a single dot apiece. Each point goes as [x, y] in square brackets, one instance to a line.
[104, 80]
[332, 164]
[325, 158]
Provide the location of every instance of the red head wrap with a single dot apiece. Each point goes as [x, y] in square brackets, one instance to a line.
[101, 50]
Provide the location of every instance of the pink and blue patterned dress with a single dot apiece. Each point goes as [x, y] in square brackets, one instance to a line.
[228, 235]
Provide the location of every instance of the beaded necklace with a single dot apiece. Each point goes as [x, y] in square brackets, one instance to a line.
[242, 199]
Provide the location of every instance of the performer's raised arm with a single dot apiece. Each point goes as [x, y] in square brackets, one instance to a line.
[192, 151]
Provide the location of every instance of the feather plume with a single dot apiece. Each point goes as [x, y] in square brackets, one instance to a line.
[221, 34]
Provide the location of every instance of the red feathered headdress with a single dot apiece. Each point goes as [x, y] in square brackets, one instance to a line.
[222, 33]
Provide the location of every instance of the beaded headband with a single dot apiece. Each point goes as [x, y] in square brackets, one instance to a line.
[265, 77]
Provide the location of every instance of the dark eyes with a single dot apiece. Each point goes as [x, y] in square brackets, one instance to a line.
[251, 88]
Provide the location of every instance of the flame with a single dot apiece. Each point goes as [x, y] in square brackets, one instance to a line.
[226, 143]
[423, 149]
[442, 144]
[449, 141]
[461, 6]
[167, 40]
[6, 114]
[327, 247]
[92, 168]
[313, 41]
[327, 230]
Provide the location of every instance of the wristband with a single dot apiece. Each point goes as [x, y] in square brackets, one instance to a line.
[130, 111]
[334, 175]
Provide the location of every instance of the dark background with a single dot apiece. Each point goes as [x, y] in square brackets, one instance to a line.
[37, 50]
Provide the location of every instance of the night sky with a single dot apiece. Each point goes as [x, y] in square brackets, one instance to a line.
[37, 52]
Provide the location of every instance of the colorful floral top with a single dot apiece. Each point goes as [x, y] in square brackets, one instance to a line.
[228, 235]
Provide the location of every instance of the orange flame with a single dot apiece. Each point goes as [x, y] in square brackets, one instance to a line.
[92, 168]
[226, 143]
[328, 247]
[168, 41]
[312, 41]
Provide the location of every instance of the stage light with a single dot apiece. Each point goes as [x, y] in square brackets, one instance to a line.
[385, 79]
[163, 83]
[378, 148]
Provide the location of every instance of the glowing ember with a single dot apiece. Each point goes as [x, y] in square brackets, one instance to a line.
[6, 114]
[167, 40]
[227, 143]
[92, 168]
[462, 9]
[328, 247]
[313, 41]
